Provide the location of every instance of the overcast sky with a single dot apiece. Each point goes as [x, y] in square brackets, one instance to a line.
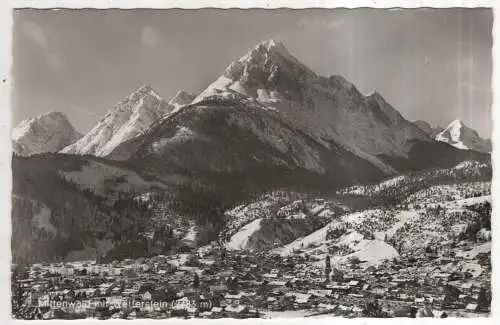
[432, 64]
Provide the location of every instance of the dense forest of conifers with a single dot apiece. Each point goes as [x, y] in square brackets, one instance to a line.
[412, 183]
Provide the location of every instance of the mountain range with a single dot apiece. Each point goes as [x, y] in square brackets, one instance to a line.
[267, 122]
[126, 120]
[458, 135]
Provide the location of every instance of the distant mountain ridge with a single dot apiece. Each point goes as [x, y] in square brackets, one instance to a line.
[428, 128]
[462, 137]
[458, 135]
[49, 132]
[328, 110]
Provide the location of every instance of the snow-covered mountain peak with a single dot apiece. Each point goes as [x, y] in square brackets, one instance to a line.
[268, 67]
[455, 126]
[48, 132]
[463, 137]
[181, 98]
[272, 47]
[456, 122]
[269, 46]
[125, 121]
[142, 91]
[273, 44]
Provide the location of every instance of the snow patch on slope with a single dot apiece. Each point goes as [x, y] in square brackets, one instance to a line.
[375, 252]
[98, 177]
[41, 220]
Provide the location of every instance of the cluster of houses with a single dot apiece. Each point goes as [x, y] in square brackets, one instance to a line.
[219, 283]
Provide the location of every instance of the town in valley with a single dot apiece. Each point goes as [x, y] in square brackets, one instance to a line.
[160, 170]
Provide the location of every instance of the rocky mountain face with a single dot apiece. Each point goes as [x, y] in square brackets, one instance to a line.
[462, 137]
[428, 128]
[329, 109]
[127, 119]
[49, 132]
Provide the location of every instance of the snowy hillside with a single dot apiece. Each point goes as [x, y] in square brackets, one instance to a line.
[240, 239]
[445, 214]
[107, 180]
[401, 215]
[462, 137]
[469, 170]
[125, 121]
[49, 132]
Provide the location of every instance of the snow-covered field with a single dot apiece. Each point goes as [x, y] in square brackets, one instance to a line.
[240, 239]
[97, 177]
[288, 314]
[191, 235]
[374, 252]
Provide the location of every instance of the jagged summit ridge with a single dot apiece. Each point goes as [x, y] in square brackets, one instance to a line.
[142, 91]
[129, 118]
[265, 72]
[432, 131]
[48, 132]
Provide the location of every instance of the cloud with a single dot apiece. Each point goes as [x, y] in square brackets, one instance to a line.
[83, 111]
[150, 36]
[468, 86]
[37, 36]
[54, 61]
[335, 24]
[35, 33]
[320, 23]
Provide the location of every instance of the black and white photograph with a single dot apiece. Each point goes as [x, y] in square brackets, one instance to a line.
[251, 163]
